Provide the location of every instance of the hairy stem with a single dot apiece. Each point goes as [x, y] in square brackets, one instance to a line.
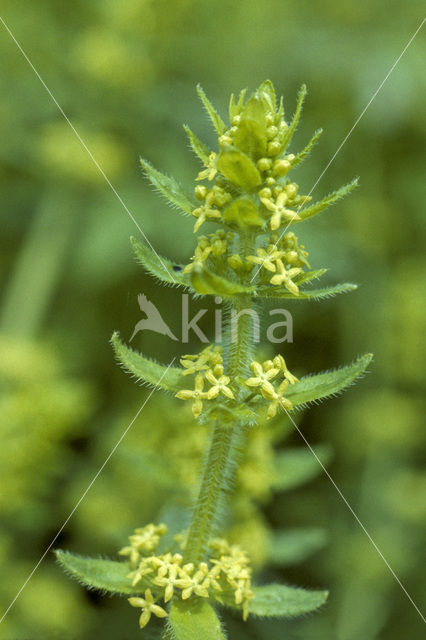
[213, 485]
[222, 460]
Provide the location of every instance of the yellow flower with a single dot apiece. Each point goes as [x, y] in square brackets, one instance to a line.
[201, 253]
[197, 584]
[262, 378]
[219, 385]
[203, 213]
[277, 399]
[211, 169]
[279, 211]
[148, 608]
[168, 581]
[267, 258]
[279, 362]
[197, 395]
[285, 277]
[201, 361]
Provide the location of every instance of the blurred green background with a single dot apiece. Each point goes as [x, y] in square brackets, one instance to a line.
[125, 74]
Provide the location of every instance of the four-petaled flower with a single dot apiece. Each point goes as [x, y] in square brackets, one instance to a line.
[220, 384]
[203, 213]
[197, 584]
[148, 608]
[267, 258]
[285, 277]
[264, 374]
[201, 253]
[277, 399]
[280, 363]
[168, 581]
[279, 210]
[262, 378]
[211, 169]
[197, 395]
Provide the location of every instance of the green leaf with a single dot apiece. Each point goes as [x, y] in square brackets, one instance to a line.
[217, 121]
[295, 121]
[106, 575]
[267, 91]
[198, 147]
[207, 283]
[194, 620]
[158, 266]
[307, 276]
[146, 370]
[307, 294]
[328, 383]
[297, 465]
[250, 136]
[235, 108]
[326, 202]
[242, 212]
[168, 187]
[280, 601]
[288, 548]
[238, 168]
[306, 151]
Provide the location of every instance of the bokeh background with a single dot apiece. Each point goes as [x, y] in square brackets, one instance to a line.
[125, 74]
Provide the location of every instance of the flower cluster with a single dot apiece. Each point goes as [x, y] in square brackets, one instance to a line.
[225, 573]
[215, 245]
[207, 366]
[142, 541]
[264, 375]
[265, 163]
[284, 258]
[213, 199]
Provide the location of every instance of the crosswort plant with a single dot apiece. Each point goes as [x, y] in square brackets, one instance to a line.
[184, 577]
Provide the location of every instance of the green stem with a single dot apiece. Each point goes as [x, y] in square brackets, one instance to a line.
[222, 460]
[210, 496]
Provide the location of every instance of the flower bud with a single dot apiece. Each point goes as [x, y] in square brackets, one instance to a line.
[264, 164]
[274, 148]
[200, 191]
[281, 167]
[265, 193]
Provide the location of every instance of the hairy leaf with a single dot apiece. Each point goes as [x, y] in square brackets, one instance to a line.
[198, 147]
[295, 120]
[306, 151]
[168, 187]
[307, 276]
[217, 121]
[280, 601]
[194, 620]
[329, 383]
[235, 107]
[106, 575]
[288, 548]
[326, 202]
[146, 370]
[238, 168]
[207, 283]
[297, 465]
[158, 266]
[307, 294]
